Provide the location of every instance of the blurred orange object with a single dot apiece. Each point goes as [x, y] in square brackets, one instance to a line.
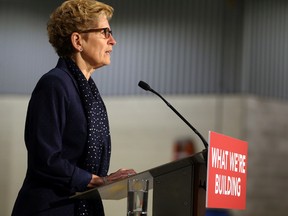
[182, 148]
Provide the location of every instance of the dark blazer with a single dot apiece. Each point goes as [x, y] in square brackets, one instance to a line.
[55, 137]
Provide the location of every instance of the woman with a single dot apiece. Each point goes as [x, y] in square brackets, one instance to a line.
[67, 132]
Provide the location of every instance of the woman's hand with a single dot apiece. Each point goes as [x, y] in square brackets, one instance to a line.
[97, 181]
[120, 174]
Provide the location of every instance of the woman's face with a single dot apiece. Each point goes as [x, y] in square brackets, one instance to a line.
[96, 47]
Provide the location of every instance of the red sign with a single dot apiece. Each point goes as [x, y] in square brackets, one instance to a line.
[226, 172]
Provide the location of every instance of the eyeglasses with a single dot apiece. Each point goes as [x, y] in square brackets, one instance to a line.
[106, 31]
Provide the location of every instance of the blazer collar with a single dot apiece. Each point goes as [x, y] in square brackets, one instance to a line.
[61, 64]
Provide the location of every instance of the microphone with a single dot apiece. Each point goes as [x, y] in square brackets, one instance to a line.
[146, 87]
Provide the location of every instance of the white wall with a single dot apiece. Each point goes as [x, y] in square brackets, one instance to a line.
[143, 131]
[12, 150]
[266, 129]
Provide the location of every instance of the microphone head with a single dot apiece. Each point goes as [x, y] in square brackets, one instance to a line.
[144, 86]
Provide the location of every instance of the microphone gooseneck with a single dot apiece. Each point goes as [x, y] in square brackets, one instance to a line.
[146, 87]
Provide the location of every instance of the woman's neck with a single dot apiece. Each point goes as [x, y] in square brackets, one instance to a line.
[85, 68]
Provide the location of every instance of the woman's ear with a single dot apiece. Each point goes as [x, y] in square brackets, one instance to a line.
[76, 41]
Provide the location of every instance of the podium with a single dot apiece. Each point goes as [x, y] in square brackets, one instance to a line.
[179, 187]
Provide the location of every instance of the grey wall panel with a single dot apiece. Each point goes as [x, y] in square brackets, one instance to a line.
[177, 46]
[25, 53]
[265, 48]
[174, 45]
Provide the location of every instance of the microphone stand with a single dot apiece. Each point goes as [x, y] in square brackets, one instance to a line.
[146, 87]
